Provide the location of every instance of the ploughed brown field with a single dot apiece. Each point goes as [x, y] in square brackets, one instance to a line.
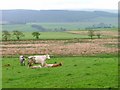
[104, 33]
[60, 47]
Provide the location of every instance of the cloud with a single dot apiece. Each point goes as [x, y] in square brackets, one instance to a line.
[58, 4]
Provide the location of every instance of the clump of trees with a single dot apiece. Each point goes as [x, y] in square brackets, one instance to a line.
[100, 25]
[5, 35]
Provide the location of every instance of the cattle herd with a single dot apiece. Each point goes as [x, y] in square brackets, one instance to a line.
[37, 59]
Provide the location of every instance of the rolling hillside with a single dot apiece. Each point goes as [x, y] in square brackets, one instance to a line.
[46, 16]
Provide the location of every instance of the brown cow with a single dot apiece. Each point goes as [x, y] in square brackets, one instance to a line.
[53, 65]
[46, 65]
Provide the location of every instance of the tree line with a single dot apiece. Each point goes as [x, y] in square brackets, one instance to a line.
[18, 34]
[100, 25]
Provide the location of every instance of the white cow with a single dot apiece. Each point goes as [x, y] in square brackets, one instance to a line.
[38, 59]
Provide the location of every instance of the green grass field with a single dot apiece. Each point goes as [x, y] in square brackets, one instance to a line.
[76, 72]
[54, 35]
[51, 35]
[27, 30]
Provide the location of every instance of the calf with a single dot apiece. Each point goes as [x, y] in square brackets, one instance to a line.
[46, 65]
[35, 67]
[53, 65]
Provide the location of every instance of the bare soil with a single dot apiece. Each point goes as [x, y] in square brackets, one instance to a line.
[59, 47]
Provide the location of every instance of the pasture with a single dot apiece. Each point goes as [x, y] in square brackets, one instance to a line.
[49, 26]
[53, 30]
[76, 72]
[50, 35]
[83, 66]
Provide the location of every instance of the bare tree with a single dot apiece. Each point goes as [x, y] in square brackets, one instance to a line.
[91, 33]
[98, 35]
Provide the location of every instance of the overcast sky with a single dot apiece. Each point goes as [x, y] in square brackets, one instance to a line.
[58, 4]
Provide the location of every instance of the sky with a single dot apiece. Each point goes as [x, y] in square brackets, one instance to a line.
[58, 4]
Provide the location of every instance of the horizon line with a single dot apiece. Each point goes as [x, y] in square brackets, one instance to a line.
[89, 10]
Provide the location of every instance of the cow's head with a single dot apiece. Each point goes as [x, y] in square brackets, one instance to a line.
[21, 56]
[48, 56]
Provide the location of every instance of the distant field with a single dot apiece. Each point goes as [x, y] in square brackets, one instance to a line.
[49, 26]
[79, 34]
[50, 35]
[76, 72]
[55, 35]
[28, 29]
[67, 26]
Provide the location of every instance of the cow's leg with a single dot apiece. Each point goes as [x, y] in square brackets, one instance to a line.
[24, 63]
[43, 64]
[21, 62]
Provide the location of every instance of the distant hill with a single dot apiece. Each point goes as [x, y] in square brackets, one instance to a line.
[27, 16]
